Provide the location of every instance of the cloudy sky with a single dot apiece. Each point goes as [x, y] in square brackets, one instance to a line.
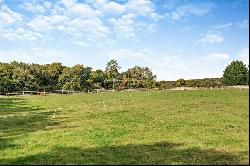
[175, 38]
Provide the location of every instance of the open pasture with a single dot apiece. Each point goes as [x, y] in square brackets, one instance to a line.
[172, 127]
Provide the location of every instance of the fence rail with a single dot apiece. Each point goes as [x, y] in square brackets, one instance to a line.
[38, 92]
[125, 90]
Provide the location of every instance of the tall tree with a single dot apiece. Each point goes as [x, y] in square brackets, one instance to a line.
[6, 82]
[22, 77]
[235, 73]
[75, 78]
[50, 75]
[112, 69]
[98, 77]
[24, 80]
[139, 77]
[36, 71]
[112, 73]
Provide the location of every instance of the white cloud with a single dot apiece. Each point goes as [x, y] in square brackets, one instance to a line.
[243, 55]
[48, 23]
[57, 9]
[21, 34]
[58, 19]
[36, 55]
[108, 7]
[93, 27]
[5, 18]
[89, 20]
[223, 26]
[137, 7]
[124, 26]
[211, 38]
[143, 8]
[8, 17]
[78, 9]
[188, 10]
[72, 31]
[47, 4]
[116, 7]
[41, 23]
[123, 17]
[33, 7]
[146, 29]
[68, 3]
[217, 57]
[75, 19]
[80, 43]
[244, 24]
[13, 26]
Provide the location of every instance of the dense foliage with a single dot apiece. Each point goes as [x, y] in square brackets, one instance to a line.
[236, 73]
[206, 82]
[18, 76]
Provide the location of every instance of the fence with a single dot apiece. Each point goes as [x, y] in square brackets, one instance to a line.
[39, 92]
[125, 90]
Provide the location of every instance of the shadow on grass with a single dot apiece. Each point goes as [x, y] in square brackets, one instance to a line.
[7, 143]
[18, 117]
[158, 153]
[14, 105]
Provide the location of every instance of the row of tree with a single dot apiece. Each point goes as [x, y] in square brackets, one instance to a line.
[18, 76]
[206, 82]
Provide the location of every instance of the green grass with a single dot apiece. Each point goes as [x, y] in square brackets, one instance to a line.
[175, 127]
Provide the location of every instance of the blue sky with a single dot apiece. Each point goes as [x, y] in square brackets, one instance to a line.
[175, 38]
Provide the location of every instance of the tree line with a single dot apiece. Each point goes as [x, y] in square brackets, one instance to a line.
[236, 73]
[19, 76]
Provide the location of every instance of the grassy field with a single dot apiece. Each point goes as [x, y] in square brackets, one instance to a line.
[174, 127]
